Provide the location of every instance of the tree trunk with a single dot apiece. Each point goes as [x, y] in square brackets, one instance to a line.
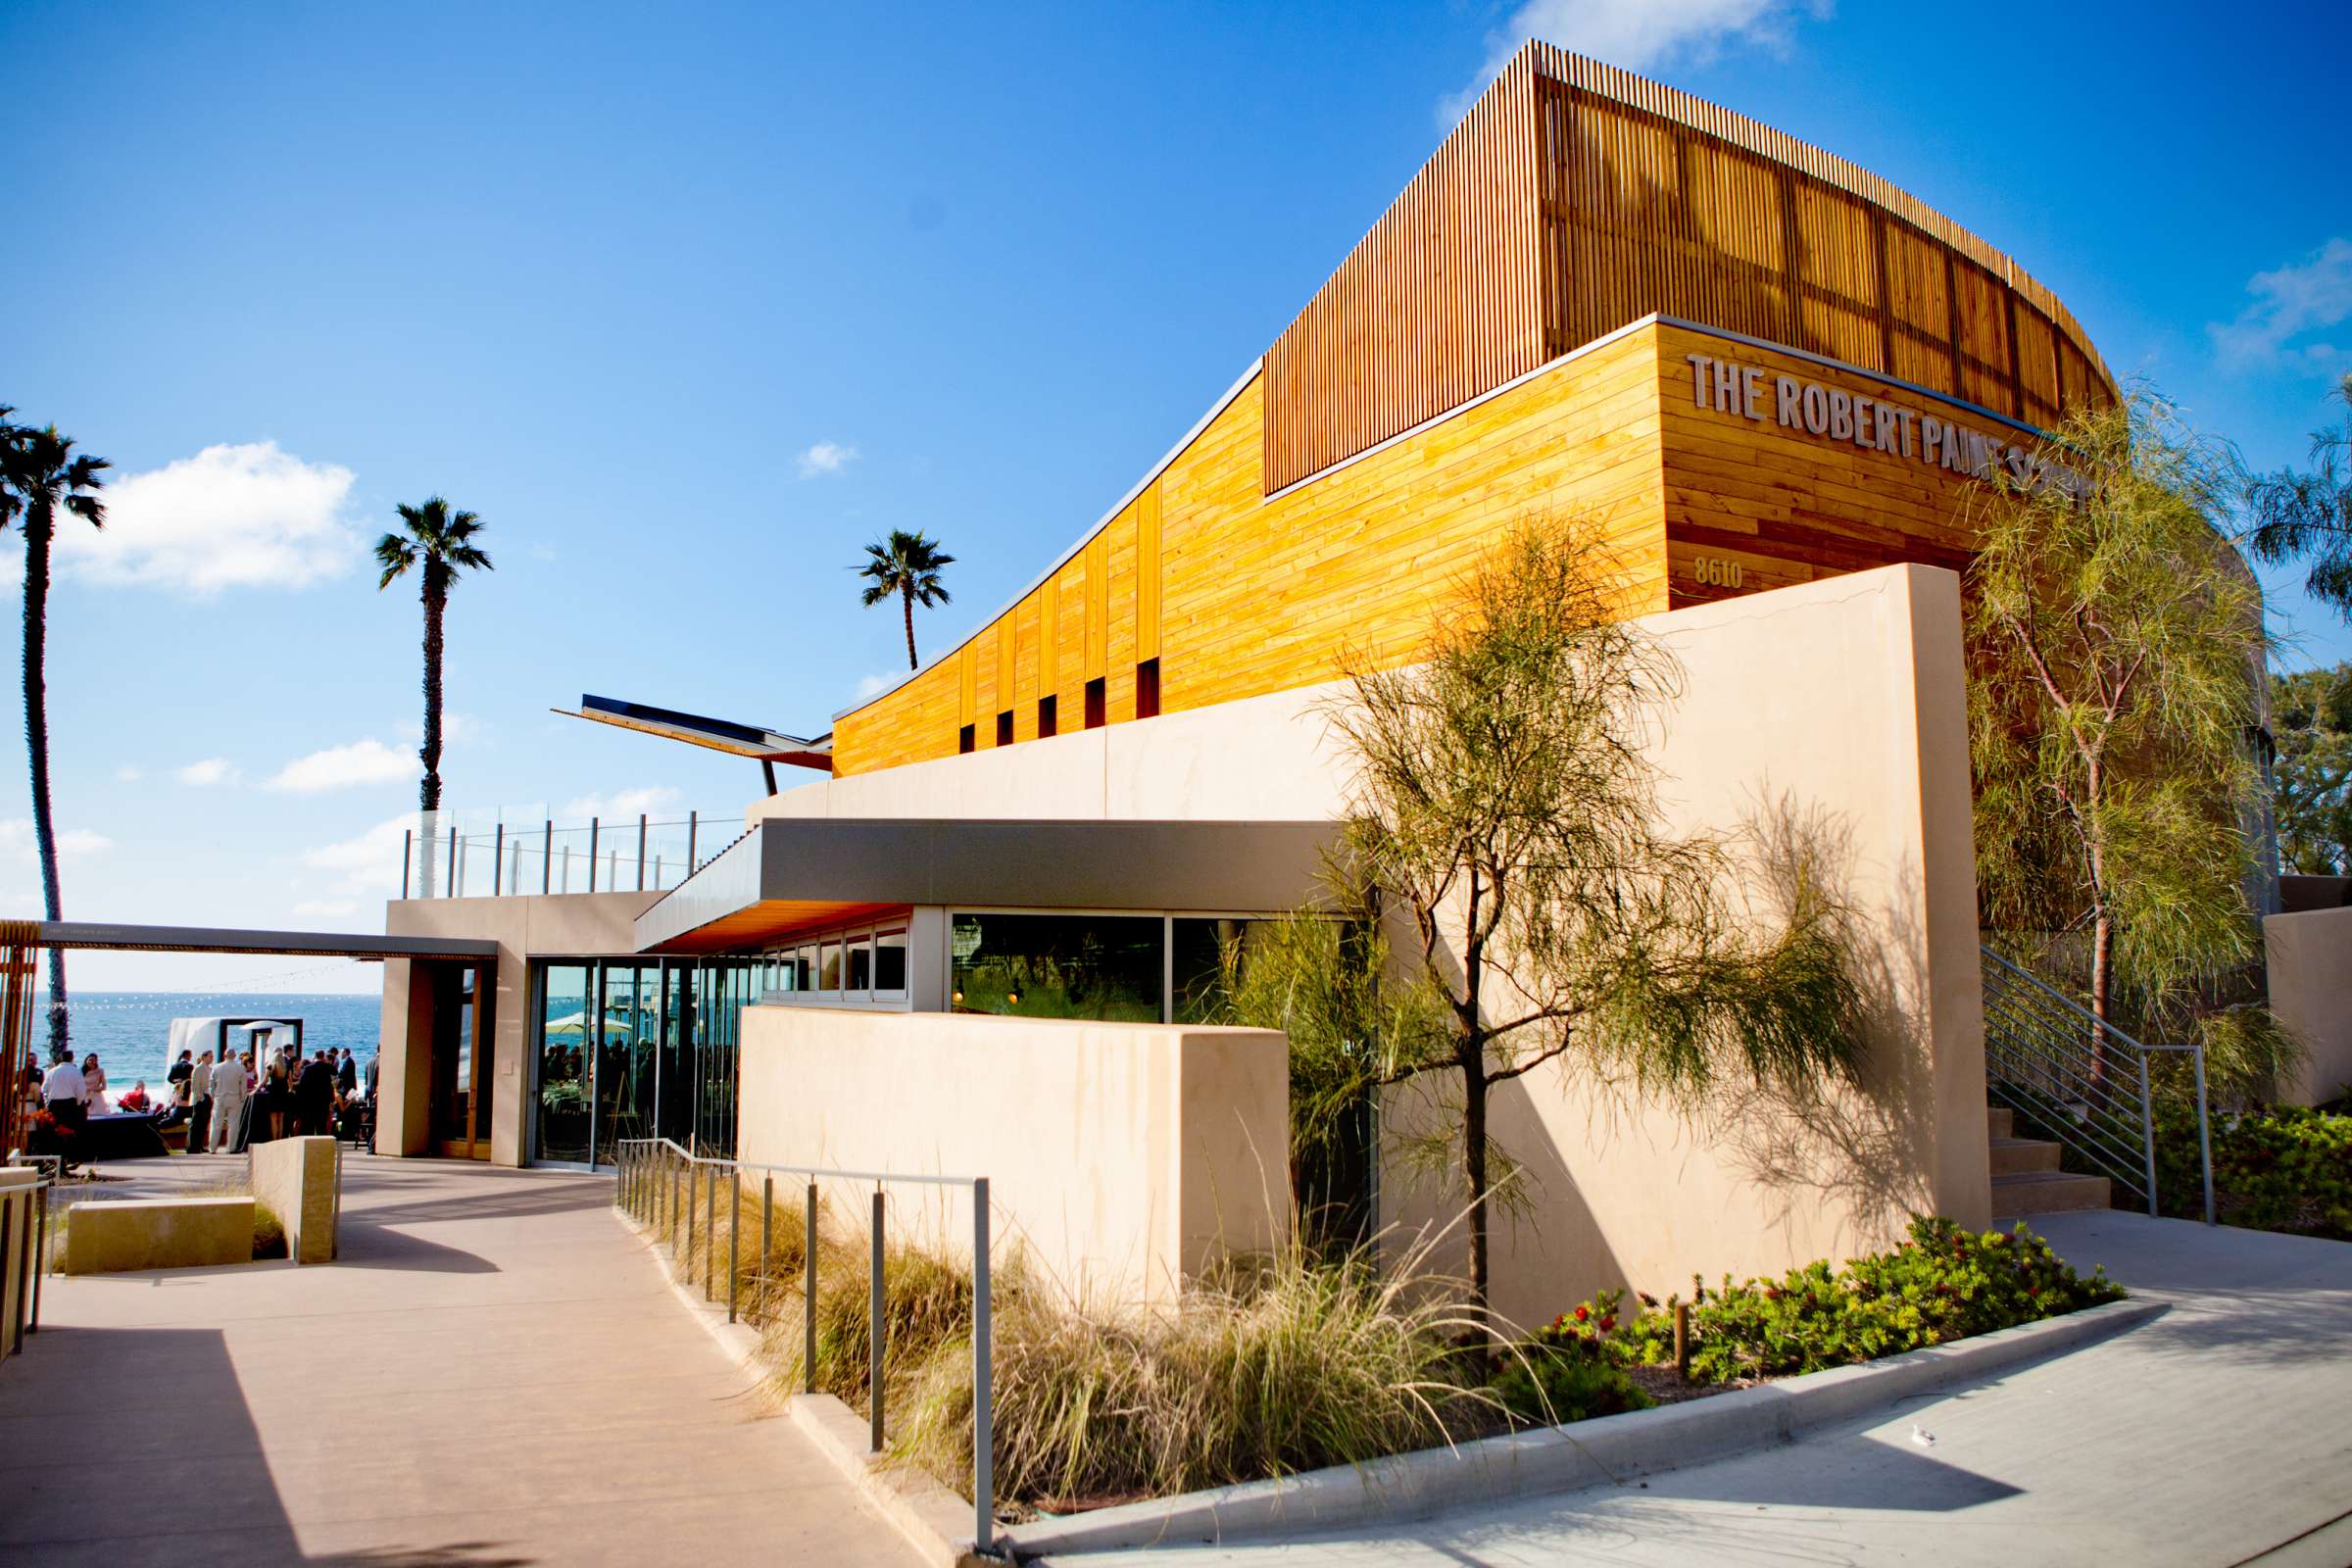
[907, 596]
[436, 598]
[37, 523]
[1474, 1178]
[2102, 985]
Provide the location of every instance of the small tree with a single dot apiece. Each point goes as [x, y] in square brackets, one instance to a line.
[2115, 654]
[2308, 516]
[2310, 717]
[1505, 809]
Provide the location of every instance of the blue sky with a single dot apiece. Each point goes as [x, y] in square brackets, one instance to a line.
[690, 302]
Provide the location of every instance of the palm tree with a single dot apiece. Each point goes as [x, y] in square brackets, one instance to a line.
[905, 565]
[39, 473]
[441, 540]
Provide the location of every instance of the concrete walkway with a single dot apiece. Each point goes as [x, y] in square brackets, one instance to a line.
[2217, 1433]
[495, 1373]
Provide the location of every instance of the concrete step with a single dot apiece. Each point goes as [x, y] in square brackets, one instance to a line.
[2047, 1192]
[2018, 1157]
[2001, 1122]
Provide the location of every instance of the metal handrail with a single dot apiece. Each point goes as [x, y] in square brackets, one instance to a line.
[642, 1193]
[2028, 1043]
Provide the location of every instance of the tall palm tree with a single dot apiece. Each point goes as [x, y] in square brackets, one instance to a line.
[441, 541]
[39, 473]
[905, 565]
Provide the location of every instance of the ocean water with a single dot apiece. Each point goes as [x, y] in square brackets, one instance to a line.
[132, 1030]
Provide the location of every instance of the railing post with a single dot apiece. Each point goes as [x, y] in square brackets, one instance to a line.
[641, 852]
[690, 826]
[593, 824]
[734, 1236]
[408, 854]
[809, 1298]
[547, 855]
[2147, 1130]
[694, 1174]
[710, 1228]
[767, 1207]
[498, 857]
[877, 1332]
[451, 880]
[984, 1399]
[2204, 1134]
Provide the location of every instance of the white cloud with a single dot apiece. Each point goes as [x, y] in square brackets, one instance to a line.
[367, 862]
[342, 767]
[650, 800]
[1635, 33]
[230, 517]
[2289, 302]
[826, 457]
[126, 774]
[327, 909]
[17, 840]
[211, 771]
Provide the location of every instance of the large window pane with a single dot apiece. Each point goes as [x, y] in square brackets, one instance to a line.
[861, 966]
[624, 1069]
[890, 964]
[1196, 961]
[568, 1030]
[1058, 967]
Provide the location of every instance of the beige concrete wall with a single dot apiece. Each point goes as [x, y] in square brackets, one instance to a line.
[142, 1233]
[1121, 1155]
[1828, 716]
[559, 924]
[17, 1233]
[2310, 957]
[296, 1179]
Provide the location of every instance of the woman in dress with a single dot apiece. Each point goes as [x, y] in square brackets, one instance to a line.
[93, 1088]
[277, 1093]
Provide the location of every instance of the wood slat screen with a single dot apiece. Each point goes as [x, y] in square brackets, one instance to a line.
[1575, 198]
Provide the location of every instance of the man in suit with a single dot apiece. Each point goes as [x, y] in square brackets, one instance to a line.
[347, 1075]
[315, 1097]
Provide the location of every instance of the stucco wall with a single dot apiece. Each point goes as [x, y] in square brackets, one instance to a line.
[560, 924]
[2311, 991]
[1121, 1155]
[1829, 717]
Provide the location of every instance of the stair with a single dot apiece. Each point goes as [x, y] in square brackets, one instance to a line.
[2026, 1178]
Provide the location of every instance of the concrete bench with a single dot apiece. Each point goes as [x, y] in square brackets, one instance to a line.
[103, 1238]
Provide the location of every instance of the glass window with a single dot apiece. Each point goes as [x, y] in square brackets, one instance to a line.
[567, 1036]
[1059, 966]
[861, 965]
[828, 972]
[890, 964]
[804, 968]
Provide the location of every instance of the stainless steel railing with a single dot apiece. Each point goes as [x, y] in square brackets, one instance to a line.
[440, 859]
[661, 1185]
[2081, 1079]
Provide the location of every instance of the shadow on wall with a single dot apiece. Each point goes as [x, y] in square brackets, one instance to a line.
[1862, 1149]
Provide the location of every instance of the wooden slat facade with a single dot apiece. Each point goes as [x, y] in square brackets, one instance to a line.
[1575, 198]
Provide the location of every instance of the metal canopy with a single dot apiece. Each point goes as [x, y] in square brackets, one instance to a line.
[793, 873]
[91, 934]
[754, 740]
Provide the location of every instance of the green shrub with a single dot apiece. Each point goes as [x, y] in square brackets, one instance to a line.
[1944, 1283]
[1570, 1370]
[2277, 1169]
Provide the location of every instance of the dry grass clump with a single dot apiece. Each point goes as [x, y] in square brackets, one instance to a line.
[1289, 1363]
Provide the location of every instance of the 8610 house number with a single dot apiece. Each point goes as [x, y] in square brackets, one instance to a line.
[1714, 571]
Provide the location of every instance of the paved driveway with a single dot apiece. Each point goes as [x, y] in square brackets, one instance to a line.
[494, 1374]
[2217, 1433]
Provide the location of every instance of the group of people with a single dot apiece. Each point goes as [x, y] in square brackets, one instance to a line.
[224, 1098]
[291, 1095]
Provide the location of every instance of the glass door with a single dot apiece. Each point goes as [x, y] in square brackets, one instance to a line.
[459, 1102]
[568, 1025]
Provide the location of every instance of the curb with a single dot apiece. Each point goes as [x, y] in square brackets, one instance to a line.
[1611, 1449]
[935, 1521]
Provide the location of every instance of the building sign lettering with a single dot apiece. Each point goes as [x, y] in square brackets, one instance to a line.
[1875, 424]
